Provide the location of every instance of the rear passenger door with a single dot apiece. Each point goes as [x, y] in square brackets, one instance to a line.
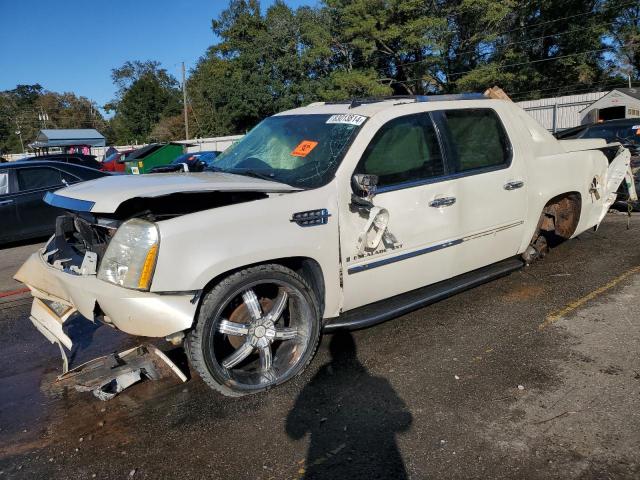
[488, 181]
[34, 215]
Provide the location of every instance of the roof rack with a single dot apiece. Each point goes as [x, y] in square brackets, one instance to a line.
[356, 102]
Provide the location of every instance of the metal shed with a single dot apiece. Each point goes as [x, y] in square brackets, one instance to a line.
[560, 113]
[68, 137]
[618, 103]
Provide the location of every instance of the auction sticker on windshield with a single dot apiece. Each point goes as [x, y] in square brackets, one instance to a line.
[304, 148]
[348, 118]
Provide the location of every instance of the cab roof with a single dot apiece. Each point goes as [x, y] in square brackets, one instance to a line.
[370, 106]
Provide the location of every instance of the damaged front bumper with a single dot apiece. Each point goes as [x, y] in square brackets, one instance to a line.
[59, 294]
[147, 314]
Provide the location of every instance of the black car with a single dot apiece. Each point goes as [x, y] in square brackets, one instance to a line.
[23, 213]
[626, 131]
[88, 161]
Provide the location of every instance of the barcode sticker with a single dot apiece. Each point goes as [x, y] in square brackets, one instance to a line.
[348, 118]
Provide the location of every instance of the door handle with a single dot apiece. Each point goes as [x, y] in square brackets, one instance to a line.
[6, 202]
[442, 202]
[514, 185]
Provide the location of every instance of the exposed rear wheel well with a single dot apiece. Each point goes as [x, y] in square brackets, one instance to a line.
[558, 222]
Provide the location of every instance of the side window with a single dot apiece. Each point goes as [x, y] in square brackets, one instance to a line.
[40, 177]
[4, 183]
[478, 139]
[404, 149]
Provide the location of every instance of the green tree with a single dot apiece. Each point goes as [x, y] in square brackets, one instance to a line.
[146, 94]
[624, 36]
[340, 49]
[29, 108]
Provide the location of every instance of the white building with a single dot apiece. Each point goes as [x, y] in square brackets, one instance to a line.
[569, 111]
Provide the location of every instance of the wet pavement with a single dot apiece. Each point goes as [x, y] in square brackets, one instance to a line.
[535, 375]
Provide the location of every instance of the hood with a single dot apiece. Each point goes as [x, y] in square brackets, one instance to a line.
[106, 194]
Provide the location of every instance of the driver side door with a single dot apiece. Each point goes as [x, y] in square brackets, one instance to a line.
[414, 204]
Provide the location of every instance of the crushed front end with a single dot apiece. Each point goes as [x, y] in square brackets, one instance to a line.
[65, 279]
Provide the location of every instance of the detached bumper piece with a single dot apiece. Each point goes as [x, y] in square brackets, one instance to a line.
[107, 376]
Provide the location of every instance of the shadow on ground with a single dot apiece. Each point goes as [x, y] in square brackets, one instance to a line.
[349, 433]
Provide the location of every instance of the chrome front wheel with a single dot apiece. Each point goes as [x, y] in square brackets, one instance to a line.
[258, 328]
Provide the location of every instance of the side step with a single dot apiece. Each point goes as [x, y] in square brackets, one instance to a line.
[387, 309]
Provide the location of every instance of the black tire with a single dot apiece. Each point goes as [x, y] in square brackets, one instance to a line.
[209, 344]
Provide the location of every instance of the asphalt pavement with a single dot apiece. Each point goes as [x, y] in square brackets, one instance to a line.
[535, 375]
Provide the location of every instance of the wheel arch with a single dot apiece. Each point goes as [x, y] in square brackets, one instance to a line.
[561, 214]
[307, 267]
[558, 221]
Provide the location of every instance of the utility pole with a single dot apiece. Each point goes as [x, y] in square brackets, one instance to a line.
[43, 117]
[19, 133]
[184, 103]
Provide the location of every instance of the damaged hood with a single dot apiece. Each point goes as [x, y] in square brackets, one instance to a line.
[104, 195]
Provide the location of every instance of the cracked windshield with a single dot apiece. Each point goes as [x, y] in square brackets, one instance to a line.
[300, 150]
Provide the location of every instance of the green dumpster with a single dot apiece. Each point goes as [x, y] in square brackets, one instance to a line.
[156, 154]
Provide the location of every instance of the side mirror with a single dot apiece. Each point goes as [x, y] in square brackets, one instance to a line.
[364, 185]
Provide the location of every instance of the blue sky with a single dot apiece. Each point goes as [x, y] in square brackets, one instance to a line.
[72, 45]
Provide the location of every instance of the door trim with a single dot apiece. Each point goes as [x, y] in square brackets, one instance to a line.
[433, 248]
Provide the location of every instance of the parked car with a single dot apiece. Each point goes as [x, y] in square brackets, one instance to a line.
[330, 216]
[88, 161]
[626, 131]
[115, 162]
[23, 214]
[189, 162]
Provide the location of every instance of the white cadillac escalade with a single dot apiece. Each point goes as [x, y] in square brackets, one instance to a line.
[334, 215]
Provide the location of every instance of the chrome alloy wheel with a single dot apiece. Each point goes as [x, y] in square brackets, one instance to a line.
[260, 334]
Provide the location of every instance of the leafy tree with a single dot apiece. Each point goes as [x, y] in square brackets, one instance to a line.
[624, 36]
[168, 129]
[146, 94]
[29, 108]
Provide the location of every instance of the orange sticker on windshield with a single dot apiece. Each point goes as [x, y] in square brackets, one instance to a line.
[304, 148]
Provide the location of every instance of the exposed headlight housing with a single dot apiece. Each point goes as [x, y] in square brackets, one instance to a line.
[130, 259]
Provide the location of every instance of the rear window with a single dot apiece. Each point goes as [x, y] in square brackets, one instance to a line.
[478, 138]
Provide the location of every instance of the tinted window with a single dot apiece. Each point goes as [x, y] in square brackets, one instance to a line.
[4, 183]
[478, 138]
[613, 133]
[41, 177]
[404, 149]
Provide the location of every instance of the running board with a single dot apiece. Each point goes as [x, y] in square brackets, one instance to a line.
[389, 308]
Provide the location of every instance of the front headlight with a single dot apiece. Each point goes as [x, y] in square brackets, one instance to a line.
[131, 256]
